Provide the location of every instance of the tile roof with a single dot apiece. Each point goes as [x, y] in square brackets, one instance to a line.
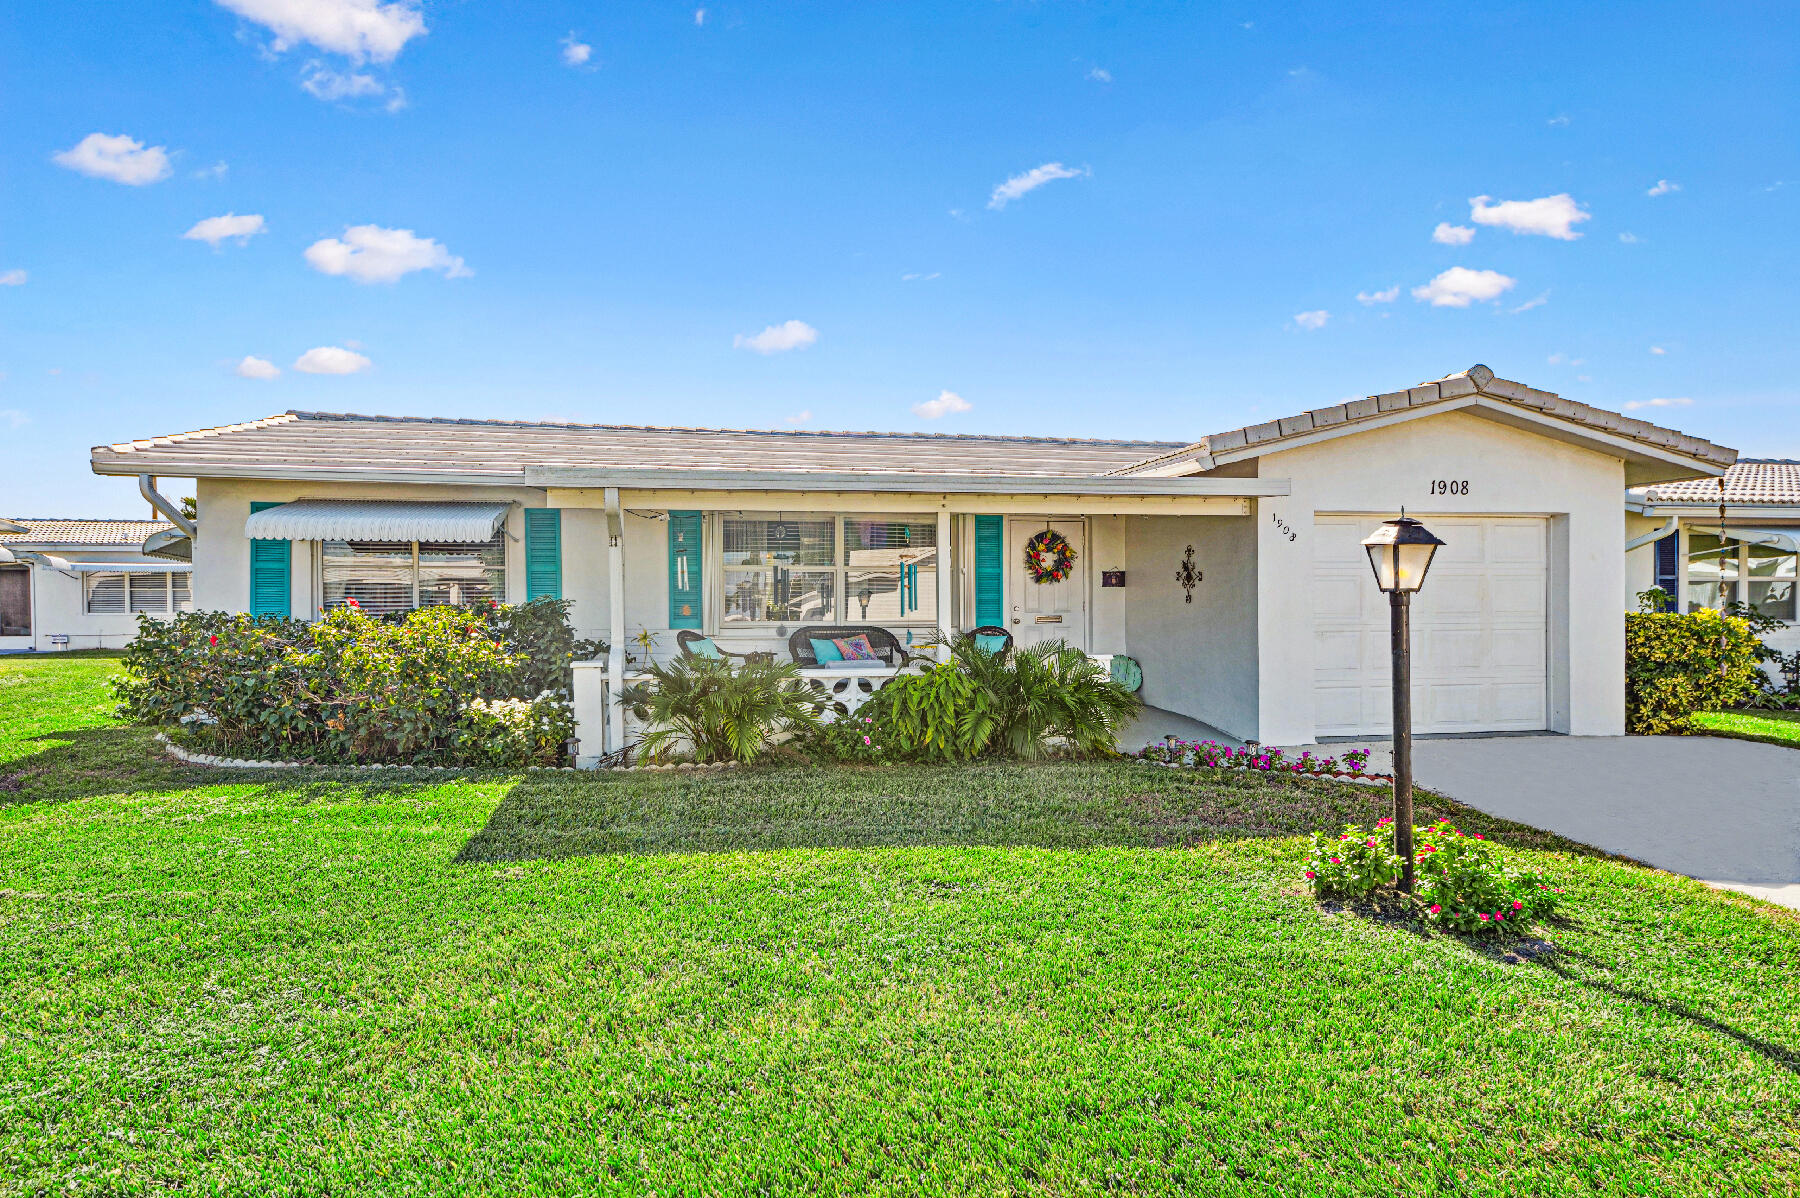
[502, 450]
[121, 533]
[1478, 380]
[1751, 481]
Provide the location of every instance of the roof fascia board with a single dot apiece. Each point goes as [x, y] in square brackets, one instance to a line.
[316, 474]
[920, 484]
[1710, 511]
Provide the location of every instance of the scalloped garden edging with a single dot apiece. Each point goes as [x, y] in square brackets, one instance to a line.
[189, 757]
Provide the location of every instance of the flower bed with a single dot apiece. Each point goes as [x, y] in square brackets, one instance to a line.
[1463, 881]
[1210, 755]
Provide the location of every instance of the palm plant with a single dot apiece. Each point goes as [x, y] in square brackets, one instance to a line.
[727, 711]
[1045, 693]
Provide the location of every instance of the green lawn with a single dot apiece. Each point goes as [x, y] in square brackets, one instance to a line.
[1776, 727]
[988, 980]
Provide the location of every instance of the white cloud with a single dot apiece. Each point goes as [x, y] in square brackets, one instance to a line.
[921, 278]
[778, 338]
[1658, 350]
[575, 53]
[699, 16]
[328, 359]
[358, 29]
[372, 254]
[14, 418]
[1529, 304]
[1312, 320]
[1030, 180]
[1449, 234]
[326, 84]
[215, 172]
[799, 417]
[1551, 216]
[946, 403]
[1558, 121]
[1565, 360]
[1679, 401]
[1663, 187]
[13, 278]
[119, 158]
[261, 368]
[1100, 75]
[1459, 286]
[1379, 297]
[1628, 237]
[215, 229]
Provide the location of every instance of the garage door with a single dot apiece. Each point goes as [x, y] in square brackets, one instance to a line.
[1478, 630]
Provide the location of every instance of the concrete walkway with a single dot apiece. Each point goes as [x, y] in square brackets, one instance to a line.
[1724, 811]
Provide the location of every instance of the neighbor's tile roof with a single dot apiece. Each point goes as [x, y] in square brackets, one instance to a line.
[1478, 380]
[1751, 481]
[502, 449]
[122, 533]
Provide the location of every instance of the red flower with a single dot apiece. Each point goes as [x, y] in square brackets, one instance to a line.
[214, 640]
[353, 603]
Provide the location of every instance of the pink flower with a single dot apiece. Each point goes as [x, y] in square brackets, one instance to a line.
[866, 740]
[1518, 906]
[1499, 918]
[1479, 836]
[1435, 908]
[1482, 917]
[1311, 874]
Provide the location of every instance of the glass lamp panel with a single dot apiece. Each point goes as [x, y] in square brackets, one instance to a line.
[1381, 559]
[1411, 563]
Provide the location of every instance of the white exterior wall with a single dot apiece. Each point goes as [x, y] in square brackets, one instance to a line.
[1509, 472]
[59, 607]
[1199, 659]
[1109, 548]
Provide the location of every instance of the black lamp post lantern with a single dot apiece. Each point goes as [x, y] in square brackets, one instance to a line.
[1400, 553]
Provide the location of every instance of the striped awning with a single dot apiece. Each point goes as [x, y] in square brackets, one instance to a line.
[376, 520]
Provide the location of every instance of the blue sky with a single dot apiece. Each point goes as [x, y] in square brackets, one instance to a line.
[606, 236]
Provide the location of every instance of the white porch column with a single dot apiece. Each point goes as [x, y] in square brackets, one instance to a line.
[946, 590]
[615, 610]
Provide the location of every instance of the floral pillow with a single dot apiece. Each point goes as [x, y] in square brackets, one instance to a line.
[856, 648]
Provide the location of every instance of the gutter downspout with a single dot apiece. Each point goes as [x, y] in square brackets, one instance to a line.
[159, 501]
[1655, 534]
[615, 604]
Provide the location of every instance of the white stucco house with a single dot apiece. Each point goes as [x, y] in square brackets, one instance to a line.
[81, 584]
[1711, 542]
[748, 536]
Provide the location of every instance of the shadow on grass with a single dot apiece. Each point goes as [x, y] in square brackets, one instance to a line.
[1049, 805]
[85, 762]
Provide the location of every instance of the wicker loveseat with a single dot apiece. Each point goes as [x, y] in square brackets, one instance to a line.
[885, 644]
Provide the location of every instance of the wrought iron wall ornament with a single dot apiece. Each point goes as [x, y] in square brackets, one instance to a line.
[1189, 575]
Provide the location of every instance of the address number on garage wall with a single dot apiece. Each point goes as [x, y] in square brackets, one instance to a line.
[1449, 486]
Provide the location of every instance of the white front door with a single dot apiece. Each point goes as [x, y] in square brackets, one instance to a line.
[1479, 630]
[1046, 611]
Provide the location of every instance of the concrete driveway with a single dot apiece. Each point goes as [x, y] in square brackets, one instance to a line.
[1724, 811]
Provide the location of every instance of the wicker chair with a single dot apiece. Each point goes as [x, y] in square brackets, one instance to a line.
[686, 637]
[885, 644]
[995, 630]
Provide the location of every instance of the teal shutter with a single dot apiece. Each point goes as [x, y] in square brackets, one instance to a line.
[685, 570]
[543, 553]
[271, 573]
[990, 571]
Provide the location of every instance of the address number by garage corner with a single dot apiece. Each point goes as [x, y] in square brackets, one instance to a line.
[1449, 486]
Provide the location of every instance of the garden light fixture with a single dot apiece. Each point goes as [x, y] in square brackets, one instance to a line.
[1400, 552]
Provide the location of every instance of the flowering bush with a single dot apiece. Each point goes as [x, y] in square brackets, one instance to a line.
[348, 687]
[1357, 863]
[1462, 881]
[514, 732]
[1206, 754]
[852, 738]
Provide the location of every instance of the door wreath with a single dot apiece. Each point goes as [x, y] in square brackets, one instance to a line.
[1049, 557]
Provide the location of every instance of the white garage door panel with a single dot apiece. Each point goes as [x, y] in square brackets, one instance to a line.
[1479, 639]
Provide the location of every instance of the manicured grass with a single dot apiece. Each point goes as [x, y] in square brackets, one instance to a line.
[1775, 727]
[988, 980]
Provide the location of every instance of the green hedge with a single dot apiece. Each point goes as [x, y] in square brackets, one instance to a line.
[441, 685]
[1676, 665]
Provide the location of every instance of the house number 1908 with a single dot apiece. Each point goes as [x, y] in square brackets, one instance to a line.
[1449, 486]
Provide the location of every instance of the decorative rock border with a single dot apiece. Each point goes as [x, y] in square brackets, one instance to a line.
[189, 757]
[1358, 779]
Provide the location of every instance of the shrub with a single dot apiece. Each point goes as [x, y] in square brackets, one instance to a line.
[937, 715]
[723, 711]
[852, 739]
[1676, 665]
[514, 732]
[1462, 881]
[1045, 694]
[1207, 754]
[350, 687]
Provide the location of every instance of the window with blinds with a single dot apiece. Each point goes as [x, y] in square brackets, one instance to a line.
[782, 568]
[105, 594]
[394, 576]
[118, 594]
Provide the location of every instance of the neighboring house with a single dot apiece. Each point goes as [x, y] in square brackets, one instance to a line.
[80, 584]
[1681, 541]
[747, 536]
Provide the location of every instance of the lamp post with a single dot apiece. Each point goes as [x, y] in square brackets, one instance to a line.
[1400, 554]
